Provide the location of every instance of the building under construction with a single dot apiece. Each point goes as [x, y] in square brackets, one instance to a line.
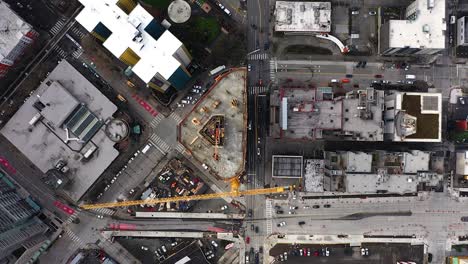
[214, 132]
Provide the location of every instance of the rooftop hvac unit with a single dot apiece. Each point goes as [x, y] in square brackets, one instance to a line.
[426, 28]
[35, 118]
[430, 3]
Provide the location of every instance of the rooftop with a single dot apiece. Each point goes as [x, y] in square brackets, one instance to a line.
[287, 166]
[315, 114]
[424, 26]
[131, 31]
[221, 107]
[64, 119]
[313, 175]
[303, 16]
[12, 29]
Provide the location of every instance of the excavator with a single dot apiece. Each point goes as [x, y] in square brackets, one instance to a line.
[235, 192]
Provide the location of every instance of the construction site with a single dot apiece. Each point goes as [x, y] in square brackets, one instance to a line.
[214, 132]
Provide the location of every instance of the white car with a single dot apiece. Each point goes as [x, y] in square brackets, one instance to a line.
[249, 67]
[164, 249]
[224, 207]
[100, 217]
[204, 166]
[281, 224]
[214, 243]
[144, 248]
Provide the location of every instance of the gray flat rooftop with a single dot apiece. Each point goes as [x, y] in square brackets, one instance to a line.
[303, 16]
[357, 161]
[12, 29]
[287, 166]
[45, 142]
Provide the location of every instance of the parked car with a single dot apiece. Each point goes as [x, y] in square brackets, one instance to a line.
[214, 243]
[301, 223]
[378, 76]
[316, 206]
[247, 240]
[144, 248]
[279, 212]
[281, 224]
[327, 206]
[372, 13]
[364, 252]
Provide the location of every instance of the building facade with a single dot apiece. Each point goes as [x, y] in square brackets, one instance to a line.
[131, 34]
[462, 35]
[422, 32]
[16, 36]
[20, 229]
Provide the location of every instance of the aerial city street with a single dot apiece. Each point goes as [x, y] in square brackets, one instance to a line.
[233, 131]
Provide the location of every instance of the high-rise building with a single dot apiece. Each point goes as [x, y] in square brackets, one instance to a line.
[131, 34]
[15, 36]
[20, 229]
[422, 31]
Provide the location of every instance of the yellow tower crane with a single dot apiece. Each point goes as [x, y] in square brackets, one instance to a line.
[235, 192]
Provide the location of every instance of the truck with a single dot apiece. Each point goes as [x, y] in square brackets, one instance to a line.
[217, 70]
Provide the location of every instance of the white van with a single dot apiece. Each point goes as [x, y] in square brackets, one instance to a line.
[227, 11]
[146, 148]
[410, 76]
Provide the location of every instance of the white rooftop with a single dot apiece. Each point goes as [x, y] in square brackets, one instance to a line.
[425, 30]
[156, 56]
[303, 16]
[12, 29]
[416, 161]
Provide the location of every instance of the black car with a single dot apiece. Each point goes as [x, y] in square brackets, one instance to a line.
[327, 206]
[256, 229]
[260, 249]
[301, 223]
[464, 219]
[250, 213]
[279, 212]
[316, 206]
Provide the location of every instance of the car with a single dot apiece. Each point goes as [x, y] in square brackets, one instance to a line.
[462, 100]
[355, 12]
[214, 243]
[163, 248]
[292, 212]
[281, 224]
[308, 252]
[224, 207]
[247, 240]
[246, 258]
[378, 76]
[345, 80]
[316, 206]
[364, 63]
[131, 191]
[359, 64]
[250, 213]
[316, 253]
[189, 98]
[385, 81]
[204, 166]
[281, 258]
[325, 252]
[364, 252]
[64, 207]
[252, 227]
[301, 252]
[195, 90]
[349, 76]
[258, 151]
[285, 254]
[372, 13]
[293, 207]
[279, 212]
[301, 223]
[144, 248]
[464, 219]
[220, 5]
[409, 82]
[185, 102]
[174, 244]
[260, 82]
[327, 206]
[266, 45]
[249, 67]
[250, 125]
[227, 11]
[100, 216]
[256, 229]
[334, 81]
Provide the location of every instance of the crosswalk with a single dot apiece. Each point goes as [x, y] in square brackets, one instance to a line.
[180, 148]
[104, 211]
[57, 27]
[159, 143]
[78, 32]
[73, 216]
[62, 54]
[268, 216]
[176, 117]
[77, 53]
[74, 238]
[272, 71]
[258, 56]
[156, 120]
[258, 89]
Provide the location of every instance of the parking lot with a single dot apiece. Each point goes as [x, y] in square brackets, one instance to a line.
[372, 253]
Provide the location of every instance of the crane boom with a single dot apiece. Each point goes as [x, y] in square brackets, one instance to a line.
[234, 193]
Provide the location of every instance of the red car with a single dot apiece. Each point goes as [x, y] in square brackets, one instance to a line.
[316, 253]
[247, 240]
[64, 207]
[345, 80]
[378, 76]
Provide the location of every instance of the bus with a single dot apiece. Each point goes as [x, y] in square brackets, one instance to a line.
[217, 70]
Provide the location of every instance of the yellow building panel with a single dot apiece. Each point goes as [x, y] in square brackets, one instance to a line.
[96, 35]
[129, 57]
[156, 87]
[127, 5]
